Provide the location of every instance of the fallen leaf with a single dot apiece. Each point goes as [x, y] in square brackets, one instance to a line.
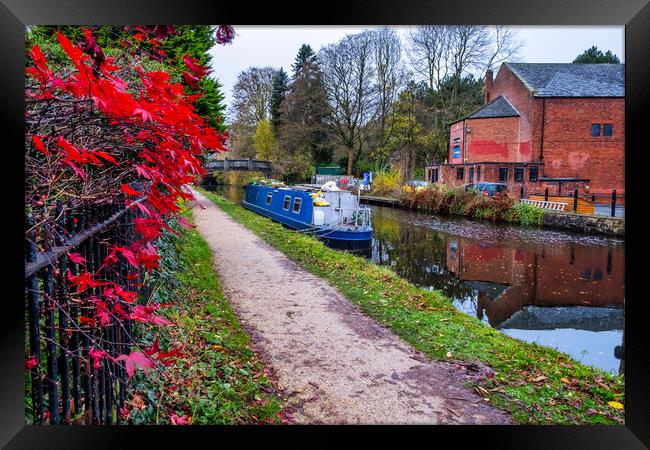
[565, 380]
[616, 405]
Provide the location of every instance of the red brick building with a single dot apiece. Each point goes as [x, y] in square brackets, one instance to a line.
[560, 126]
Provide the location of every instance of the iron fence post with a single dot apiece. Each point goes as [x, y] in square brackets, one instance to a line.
[546, 194]
[614, 203]
[575, 200]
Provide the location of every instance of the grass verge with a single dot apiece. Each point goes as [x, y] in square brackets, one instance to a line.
[219, 379]
[535, 384]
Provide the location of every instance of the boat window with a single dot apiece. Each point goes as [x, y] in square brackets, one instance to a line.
[269, 196]
[287, 201]
[297, 202]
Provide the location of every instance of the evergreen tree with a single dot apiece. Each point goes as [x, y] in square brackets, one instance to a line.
[196, 41]
[278, 94]
[305, 55]
[595, 56]
[303, 134]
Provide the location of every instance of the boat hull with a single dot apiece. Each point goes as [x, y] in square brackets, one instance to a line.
[336, 238]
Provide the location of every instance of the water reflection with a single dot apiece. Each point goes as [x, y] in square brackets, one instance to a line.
[557, 289]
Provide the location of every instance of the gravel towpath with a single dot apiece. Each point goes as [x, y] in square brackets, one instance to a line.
[334, 364]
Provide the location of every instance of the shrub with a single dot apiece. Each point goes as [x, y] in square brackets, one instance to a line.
[529, 214]
[386, 183]
[440, 199]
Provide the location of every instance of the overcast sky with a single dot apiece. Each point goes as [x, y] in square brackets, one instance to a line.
[277, 46]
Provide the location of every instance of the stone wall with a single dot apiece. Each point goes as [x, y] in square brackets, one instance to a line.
[611, 226]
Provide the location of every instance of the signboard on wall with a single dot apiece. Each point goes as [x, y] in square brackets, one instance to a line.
[455, 151]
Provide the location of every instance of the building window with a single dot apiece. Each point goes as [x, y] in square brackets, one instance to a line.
[471, 174]
[607, 129]
[287, 202]
[269, 196]
[503, 174]
[460, 173]
[297, 202]
[455, 151]
[532, 175]
[478, 173]
[434, 177]
[519, 174]
[595, 129]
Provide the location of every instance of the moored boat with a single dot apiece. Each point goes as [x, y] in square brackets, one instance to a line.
[326, 212]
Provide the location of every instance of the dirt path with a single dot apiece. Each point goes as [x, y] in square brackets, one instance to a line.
[335, 364]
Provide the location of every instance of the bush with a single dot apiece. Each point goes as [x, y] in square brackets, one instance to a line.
[386, 183]
[529, 214]
[440, 199]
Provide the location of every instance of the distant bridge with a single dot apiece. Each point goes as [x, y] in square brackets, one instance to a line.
[239, 164]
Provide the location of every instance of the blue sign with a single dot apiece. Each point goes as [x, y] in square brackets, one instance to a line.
[455, 152]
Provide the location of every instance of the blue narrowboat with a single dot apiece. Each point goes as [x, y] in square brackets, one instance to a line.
[326, 212]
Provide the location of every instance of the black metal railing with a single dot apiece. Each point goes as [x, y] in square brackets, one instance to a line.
[64, 384]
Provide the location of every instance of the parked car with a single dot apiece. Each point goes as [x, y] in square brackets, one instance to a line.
[489, 189]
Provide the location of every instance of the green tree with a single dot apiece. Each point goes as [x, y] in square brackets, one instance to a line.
[594, 56]
[264, 141]
[305, 55]
[278, 93]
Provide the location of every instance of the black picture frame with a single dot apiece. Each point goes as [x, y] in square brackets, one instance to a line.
[633, 14]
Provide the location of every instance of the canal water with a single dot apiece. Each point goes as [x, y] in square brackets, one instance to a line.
[558, 289]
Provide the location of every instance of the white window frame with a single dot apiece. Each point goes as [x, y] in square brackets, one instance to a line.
[286, 197]
[269, 198]
[297, 200]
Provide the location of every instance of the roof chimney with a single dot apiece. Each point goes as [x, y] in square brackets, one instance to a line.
[488, 85]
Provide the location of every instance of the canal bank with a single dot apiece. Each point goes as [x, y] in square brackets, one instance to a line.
[535, 384]
[335, 365]
[588, 224]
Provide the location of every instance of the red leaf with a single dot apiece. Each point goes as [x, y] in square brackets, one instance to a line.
[107, 157]
[146, 115]
[97, 356]
[79, 171]
[136, 359]
[74, 53]
[39, 145]
[183, 221]
[191, 80]
[178, 420]
[142, 171]
[31, 362]
[130, 191]
[76, 258]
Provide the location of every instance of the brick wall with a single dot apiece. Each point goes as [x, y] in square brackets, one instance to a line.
[571, 151]
[493, 139]
[507, 84]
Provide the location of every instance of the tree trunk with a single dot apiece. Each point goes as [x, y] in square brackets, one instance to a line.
[350, 156]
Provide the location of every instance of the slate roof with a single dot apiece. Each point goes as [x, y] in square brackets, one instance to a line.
[499, 107]
[571, 80]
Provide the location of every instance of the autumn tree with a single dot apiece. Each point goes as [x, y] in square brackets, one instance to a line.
[106, 129]
[251, 104]
[349, 80]
[264, 141]
[388, 80]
